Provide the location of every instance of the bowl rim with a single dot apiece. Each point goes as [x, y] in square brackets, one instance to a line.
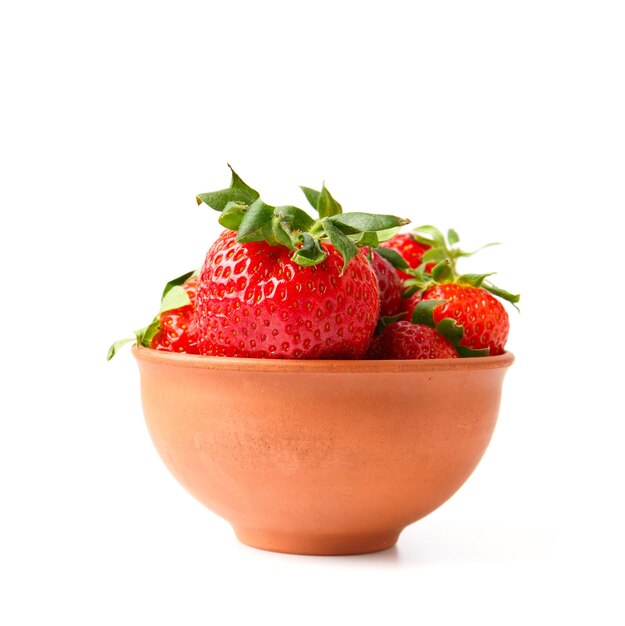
[240, 364]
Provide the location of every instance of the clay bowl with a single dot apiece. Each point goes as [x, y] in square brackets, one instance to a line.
[320, 457]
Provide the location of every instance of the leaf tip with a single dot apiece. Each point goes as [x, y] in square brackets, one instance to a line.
[116, 346]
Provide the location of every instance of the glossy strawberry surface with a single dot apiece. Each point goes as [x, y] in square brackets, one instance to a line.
[482, 317]
[176, 331]
[253, 300]
[389, 285]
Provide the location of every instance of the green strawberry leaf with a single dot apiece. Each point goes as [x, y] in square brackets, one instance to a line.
[175, 298]
[365, 239]
[409, 290]
[452, 237]
[434, 255]
[465, 352]
[232, 215]
[278, 233]
[310, 252]
[355, 223]
[278, 226]
[424, 312]
[238, 191]
[312, 195]
[426, 241]
[462, 253]
[449, 329]
[176, 282]
[434, 236]
[502, 293]
[387, 320]
[443, 271]
[420, 274]
[114, 349]
[474, 280]
[254, 223]
[419, 281]
[341, 242]
[145, 335]
[393, 257]
[326, 204]
[387, 233]
[297, 219]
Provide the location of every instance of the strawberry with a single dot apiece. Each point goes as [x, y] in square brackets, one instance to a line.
[388, 283]
[176, 332]
[404, 340]
[285, 285]
[172, 329]
[482, 318]
[461, 308]
[375, 349]
[254, 301]
[411, 250]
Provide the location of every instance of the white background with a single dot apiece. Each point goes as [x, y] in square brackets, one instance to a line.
[502, 119]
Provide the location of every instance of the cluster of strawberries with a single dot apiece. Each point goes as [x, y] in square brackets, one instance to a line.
[279, 284]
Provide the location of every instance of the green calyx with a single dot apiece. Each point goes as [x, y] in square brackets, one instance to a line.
[242, 210]
[424, 314]
[174, 296]
[444, 252]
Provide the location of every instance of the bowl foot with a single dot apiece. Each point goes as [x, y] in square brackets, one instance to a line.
[321, 545]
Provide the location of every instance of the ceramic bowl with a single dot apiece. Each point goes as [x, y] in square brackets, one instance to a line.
[320, 457]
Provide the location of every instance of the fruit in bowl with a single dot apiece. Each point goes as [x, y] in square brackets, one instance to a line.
[312, 387]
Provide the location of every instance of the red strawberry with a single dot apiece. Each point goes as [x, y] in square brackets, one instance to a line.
[172, 329]
[404, 340]
[176, 330]
[461, 308]
[389, 284]
[254, 300]
[481, 316]
[410, 249]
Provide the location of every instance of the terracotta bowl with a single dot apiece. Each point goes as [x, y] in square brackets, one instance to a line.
[320, 457]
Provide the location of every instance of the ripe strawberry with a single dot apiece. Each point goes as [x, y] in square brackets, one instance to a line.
[176, 331]
[389, 284]
[410, 249]
[404, 340]
[285, 285]
[254, 300]
[461, 308]
[172, 329]
[482, 318]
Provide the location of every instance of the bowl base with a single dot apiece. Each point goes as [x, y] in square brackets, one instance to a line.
[318, 545]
